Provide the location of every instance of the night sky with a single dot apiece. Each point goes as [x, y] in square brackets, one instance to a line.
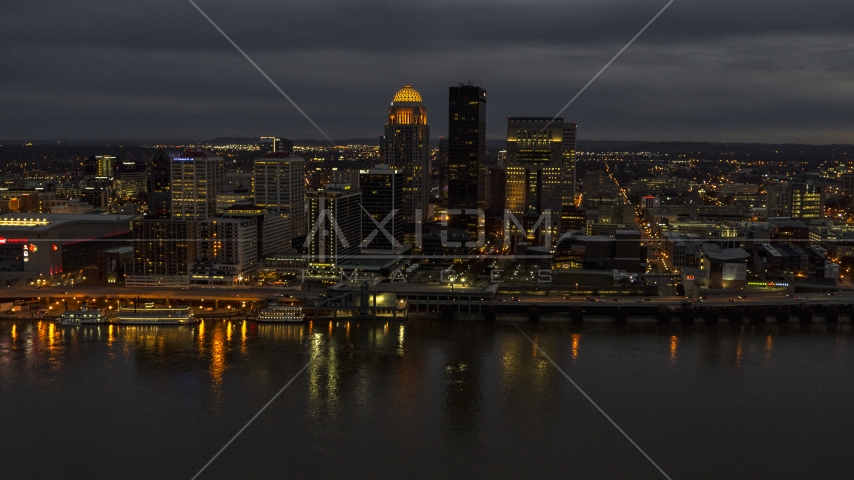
[728, 70]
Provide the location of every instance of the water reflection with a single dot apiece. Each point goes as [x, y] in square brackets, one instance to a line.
[739, 350]
[217, 367]
[464, 390]
[674, 342]
[457, 367]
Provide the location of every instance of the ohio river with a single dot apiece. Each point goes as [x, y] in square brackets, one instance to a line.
[426, 399]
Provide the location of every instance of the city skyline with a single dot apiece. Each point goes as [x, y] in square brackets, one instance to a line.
[782, 79]
[226, 227]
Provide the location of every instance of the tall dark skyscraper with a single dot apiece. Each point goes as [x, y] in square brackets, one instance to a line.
[382, 196]
[160, 181]
[466, 148]
[442, 168]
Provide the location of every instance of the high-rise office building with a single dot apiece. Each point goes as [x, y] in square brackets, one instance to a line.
[159, 173]
[197, 176]
[406, 146]
[778, 200]
[497, 185]
[597, 182]
[335, 232]
[100, 166]
[280, 187]
[807, 201]
[798, 200]
[569, 141]
[273, 229]
[275, 145]
[466, 147]
[536, 165]
[847, 181]
[382, 203]
[442, 168]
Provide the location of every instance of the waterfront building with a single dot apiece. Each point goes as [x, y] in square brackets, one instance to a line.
[723, 267]
[335, 217]
[163, 251]
[50, 247]
[406, 146]
[227, 252]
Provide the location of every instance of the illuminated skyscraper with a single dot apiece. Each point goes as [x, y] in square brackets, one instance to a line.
[406, 146]
[280, 187]
[797, 200]
[569, 152]
[536, 164]
[197, 176]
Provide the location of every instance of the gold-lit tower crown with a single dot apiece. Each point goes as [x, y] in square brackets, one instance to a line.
[407, 108]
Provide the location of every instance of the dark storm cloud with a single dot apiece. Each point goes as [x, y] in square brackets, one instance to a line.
[745, 71]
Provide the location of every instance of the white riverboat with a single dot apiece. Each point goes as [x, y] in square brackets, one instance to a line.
[150, 315]
[281, 311]
[84, 316]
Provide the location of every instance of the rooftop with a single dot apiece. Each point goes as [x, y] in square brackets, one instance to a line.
[33, 222]
[725, 254]
[407, 94]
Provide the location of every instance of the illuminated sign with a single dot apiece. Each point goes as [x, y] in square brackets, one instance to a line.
[689, 277]
[768, 284]
[183, 159]
[4, 240]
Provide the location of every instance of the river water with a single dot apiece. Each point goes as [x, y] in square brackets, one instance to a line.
[426, 399]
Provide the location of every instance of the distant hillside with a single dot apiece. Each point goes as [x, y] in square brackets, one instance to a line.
[233, 141]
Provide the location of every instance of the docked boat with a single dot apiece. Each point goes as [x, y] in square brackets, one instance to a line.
[84, 316]
[150, 315]
[281, 312]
